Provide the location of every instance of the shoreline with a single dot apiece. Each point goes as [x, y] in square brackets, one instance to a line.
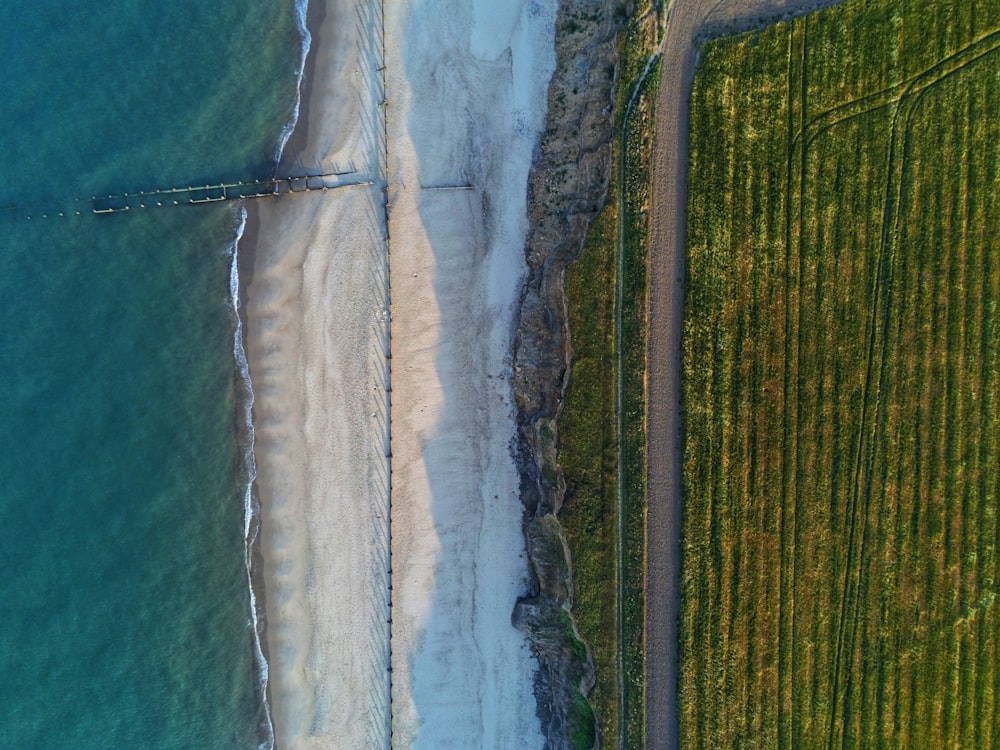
[244, 249]
[298, 139]
[312, 271]
[251, 503]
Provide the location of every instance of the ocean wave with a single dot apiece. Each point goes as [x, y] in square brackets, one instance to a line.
[301, 13]
[251, 507]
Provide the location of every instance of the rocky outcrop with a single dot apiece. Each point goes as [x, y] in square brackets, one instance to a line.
[567, 186]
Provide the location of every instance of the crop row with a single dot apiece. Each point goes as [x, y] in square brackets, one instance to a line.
[840, 388]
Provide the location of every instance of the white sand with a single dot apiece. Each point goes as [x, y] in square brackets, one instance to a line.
[466, 85]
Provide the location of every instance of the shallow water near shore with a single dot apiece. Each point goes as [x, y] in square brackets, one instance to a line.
[127, 613]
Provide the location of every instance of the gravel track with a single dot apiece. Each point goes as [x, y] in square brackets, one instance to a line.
[689, 20]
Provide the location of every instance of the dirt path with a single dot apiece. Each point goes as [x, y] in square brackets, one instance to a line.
[688, 21]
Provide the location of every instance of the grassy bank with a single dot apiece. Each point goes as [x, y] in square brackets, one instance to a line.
[589, 425]
[637, 182]
[588, 455]
[841, 392]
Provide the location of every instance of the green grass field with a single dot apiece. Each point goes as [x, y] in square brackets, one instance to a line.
[589, 437]
[841, 388]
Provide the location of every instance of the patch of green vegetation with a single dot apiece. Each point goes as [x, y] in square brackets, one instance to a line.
[550, 470]
[588, 425]
[581, 723]
[636, 43]
[546, 543]
[638, 142]
[841, 388]
[588, 458]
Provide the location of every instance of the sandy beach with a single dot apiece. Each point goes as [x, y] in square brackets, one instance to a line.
[317, 322]
[466, 106]
[435, 170]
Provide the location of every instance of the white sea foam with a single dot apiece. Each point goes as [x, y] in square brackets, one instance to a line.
[251, 509]
[301, 12]
[251, 506]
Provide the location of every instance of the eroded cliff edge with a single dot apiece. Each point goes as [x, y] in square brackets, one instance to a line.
[567, 186]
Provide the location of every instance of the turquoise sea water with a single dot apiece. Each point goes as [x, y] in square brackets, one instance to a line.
[126, 616]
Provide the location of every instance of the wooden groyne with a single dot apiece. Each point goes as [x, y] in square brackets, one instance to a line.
[448, 187]
[225, 191]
